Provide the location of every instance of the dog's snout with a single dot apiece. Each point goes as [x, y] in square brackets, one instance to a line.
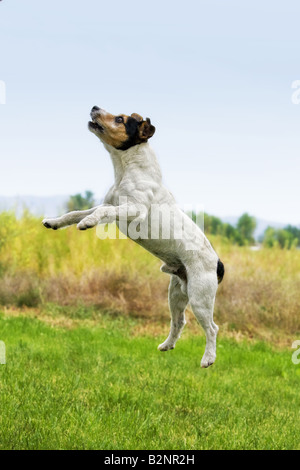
[95, 108]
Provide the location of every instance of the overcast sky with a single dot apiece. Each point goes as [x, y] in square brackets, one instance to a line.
[215, 77]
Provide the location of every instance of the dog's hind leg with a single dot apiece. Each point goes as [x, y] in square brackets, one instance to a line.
[202, 291]
[177, 302]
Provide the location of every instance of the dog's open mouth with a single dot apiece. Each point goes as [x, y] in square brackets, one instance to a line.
[95, 126]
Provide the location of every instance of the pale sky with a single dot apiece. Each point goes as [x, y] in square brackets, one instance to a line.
[215, 78]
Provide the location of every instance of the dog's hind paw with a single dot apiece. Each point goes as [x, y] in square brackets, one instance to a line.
[207, 360]
[166, 346]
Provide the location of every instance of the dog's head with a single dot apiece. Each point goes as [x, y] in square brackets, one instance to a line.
[121, 131]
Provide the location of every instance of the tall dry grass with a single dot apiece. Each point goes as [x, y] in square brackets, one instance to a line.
[259, 296]
[71, 267]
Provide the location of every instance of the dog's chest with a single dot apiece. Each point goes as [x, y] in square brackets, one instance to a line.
[130, 188]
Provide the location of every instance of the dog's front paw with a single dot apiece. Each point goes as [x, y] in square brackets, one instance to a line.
[50, 223]
[85, 224]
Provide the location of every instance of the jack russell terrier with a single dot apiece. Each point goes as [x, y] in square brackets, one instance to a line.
[132, 201]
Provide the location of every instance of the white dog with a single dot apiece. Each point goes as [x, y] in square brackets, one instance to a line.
[132, 202]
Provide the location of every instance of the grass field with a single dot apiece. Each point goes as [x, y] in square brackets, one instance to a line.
[103, 385]
[81, 319]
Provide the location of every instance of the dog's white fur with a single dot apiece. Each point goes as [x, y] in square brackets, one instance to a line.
[191, 262]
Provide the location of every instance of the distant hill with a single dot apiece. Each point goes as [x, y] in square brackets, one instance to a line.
[39, 206]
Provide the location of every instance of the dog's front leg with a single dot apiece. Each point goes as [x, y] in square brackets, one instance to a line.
[70, 218]
[110, 214]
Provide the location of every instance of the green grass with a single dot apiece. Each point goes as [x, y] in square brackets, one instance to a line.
[100, 386]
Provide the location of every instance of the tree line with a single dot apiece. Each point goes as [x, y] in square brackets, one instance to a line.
[243, 233]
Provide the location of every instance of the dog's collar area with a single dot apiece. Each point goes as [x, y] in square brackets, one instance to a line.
[131, 142]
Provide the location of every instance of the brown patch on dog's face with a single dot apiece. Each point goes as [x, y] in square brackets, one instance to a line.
[121, 131]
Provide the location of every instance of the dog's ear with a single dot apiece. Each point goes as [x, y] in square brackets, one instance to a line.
[137, 117]
[146, 130]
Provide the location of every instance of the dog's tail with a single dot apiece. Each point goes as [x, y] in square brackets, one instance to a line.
[220, 271]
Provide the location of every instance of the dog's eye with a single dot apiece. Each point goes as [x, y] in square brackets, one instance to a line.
[119, 119]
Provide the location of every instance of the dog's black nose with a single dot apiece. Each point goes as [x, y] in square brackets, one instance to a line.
[95, 108]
